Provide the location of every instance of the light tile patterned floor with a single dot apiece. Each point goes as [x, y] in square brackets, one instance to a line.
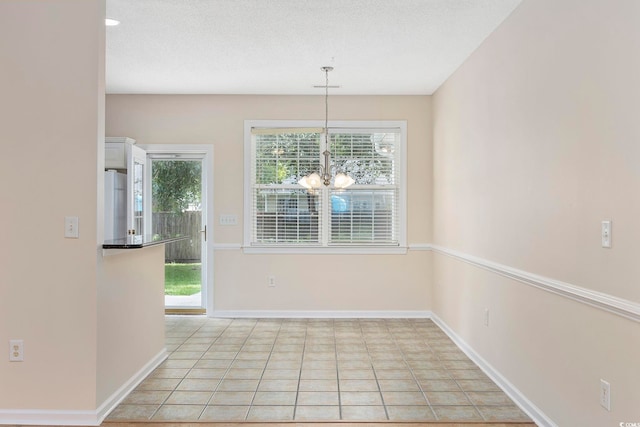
[314, 370]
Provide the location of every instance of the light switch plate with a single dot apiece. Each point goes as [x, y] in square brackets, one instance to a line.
[605, 395]
[228, 219]
[606, 234]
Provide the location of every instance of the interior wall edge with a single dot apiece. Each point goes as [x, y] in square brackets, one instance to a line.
[556, 350]
[119, 395]
[81, 418]
[516, 395]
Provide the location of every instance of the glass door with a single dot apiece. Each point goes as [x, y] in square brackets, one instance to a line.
[136, 163]
[177, 203]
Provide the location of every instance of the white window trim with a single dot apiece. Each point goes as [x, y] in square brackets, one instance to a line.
[401, 248]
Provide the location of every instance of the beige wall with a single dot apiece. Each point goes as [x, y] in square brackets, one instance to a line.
[130, 316]
[355, 283]
[49, 116]
[359, 282]
[536, 142]
[80, 318]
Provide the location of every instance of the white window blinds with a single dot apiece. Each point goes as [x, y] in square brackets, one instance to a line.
[282, 213]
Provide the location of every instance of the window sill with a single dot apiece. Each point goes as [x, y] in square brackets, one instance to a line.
[333, 250]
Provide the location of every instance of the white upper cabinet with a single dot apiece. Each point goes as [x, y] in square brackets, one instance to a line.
[121, 154]
[117, 151]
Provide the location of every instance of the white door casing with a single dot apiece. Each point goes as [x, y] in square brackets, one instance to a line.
[203, 152]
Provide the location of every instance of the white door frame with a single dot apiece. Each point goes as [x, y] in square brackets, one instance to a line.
[193, 151]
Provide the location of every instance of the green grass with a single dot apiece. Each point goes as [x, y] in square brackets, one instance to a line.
[182, 279]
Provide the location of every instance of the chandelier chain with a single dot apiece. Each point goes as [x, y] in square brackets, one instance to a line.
[315, 180]
[326, 104]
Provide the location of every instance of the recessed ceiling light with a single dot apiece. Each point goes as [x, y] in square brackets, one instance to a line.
[111, 22]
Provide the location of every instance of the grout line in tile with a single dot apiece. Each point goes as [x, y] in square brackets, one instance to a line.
[413, 375]
[399, 334]
[366, 345]
[263, 369]
[213, 340]
[194, 331]
[335, 352]
[304, 350]
[463, 390]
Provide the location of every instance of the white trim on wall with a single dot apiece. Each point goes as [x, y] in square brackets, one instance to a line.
[326, 250]
[304, 314]
[396, 250]
[48, 417]
[610, 303]
[126, 388]
[525, 404]
[81, 418]
[293, 250]
[410, 247]
[227, 246]
[419, 247]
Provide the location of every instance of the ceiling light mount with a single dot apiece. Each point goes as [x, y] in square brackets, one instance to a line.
[315, 180]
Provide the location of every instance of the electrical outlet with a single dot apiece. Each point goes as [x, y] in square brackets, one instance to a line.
[16, 351]
[486, 317]
[605, 395]
[272, 281]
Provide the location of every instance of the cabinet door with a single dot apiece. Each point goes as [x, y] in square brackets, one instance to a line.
[136, 164]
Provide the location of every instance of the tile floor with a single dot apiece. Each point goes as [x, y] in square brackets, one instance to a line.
[314, 370]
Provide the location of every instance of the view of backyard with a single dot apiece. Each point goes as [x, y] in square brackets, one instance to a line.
[181, 278]
[177, 211]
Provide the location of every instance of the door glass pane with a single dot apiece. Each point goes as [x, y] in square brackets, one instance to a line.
[177, 210]
[138, 186]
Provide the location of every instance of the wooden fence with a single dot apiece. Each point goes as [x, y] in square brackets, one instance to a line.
[185, 224]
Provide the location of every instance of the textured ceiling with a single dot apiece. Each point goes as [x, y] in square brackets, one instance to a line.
[278, 46]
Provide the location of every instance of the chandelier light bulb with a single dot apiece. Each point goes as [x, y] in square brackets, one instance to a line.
[314, 180]
[304, 181]
[342, 180]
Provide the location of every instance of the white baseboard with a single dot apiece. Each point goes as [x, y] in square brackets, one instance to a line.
[347, 314]
[48, 417]
[525, 404]
[119, 395]
[80, 418]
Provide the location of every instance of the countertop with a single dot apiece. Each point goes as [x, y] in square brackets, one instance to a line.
[140, 241]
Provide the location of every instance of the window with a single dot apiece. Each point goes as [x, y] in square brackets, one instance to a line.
[279, 213]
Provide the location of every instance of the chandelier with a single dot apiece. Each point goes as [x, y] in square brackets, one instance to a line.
[323, 176]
